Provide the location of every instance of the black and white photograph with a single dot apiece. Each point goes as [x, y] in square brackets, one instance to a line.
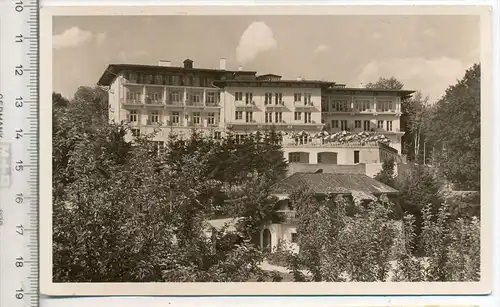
[268, 150]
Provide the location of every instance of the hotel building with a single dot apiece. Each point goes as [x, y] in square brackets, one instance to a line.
[322, 122]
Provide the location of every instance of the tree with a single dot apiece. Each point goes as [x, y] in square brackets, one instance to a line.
[419, 186]
[390, 83]
[126, 212]
[342, 241]
[417, 123]
[456, 131]
[386, 175]
[74, 121]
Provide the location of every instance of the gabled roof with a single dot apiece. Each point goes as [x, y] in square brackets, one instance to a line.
[332, 183]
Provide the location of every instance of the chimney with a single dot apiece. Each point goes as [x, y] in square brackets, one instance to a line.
[188, 63]
[240, 68]
[164, 63]
[222, 64]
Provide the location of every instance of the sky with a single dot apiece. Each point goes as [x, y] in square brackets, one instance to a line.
[426, 53]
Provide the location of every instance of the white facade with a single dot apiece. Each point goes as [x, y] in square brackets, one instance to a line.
[249, 104]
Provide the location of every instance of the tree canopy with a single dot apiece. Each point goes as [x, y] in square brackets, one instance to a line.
[456, 131]
[128, 212]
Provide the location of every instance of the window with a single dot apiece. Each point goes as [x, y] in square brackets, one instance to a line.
[319, 157]
[132, 77]
[362, 105]
[366, 125]
[297, 116]
[148, 79]
[343, 125]
[307, 117]
[217, 135]
[295, 237]
[211, 118]
[210, 97]
[384, 105]
[175, 118]
[249, 117]
[356, 156]
[133, 116]
[357, 124]
[154, 98]
[133, 97]
[159, 79]
[196, 81]
[176, 80]
[340, 105]
[154, 117]
[196, 118]
[297, 97]
[335, 123]
[380, 124]
[238, 115]
[248, 98]
[278, 116]
[136, 132]
[294, 157]
[268, 98]
[238, 96]
[196, 97]
[389, 125]
[175, 96]
[307, 99]
[269, 117]
[278, 98]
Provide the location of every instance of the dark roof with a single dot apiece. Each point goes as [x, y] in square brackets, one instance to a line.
[332, 183]
[401, 93]
[113, 70]
[276, 82]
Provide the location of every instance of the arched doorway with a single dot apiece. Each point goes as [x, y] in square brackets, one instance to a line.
[266, 239]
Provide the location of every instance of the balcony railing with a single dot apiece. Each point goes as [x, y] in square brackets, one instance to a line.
[212, 104]
[131, 101]
[303, 104]
[274, 104]
[194, 103]
[154, 101]
[174, 103]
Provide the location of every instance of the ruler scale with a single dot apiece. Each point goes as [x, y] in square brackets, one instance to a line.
[19, 122]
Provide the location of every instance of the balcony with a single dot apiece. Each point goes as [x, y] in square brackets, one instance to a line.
[194, 104]
[244, 105]
[154, 102]
[303, 104]
[126, 102]
[177, 103]
[212, 104]
[275, 106]
[287, 216]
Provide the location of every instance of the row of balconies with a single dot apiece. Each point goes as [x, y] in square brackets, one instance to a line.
[355, 111]
[280, 104]
[282, 122]
[179, 123]
[174, 103]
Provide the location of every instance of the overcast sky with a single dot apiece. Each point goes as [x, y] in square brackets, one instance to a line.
[426, 53]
